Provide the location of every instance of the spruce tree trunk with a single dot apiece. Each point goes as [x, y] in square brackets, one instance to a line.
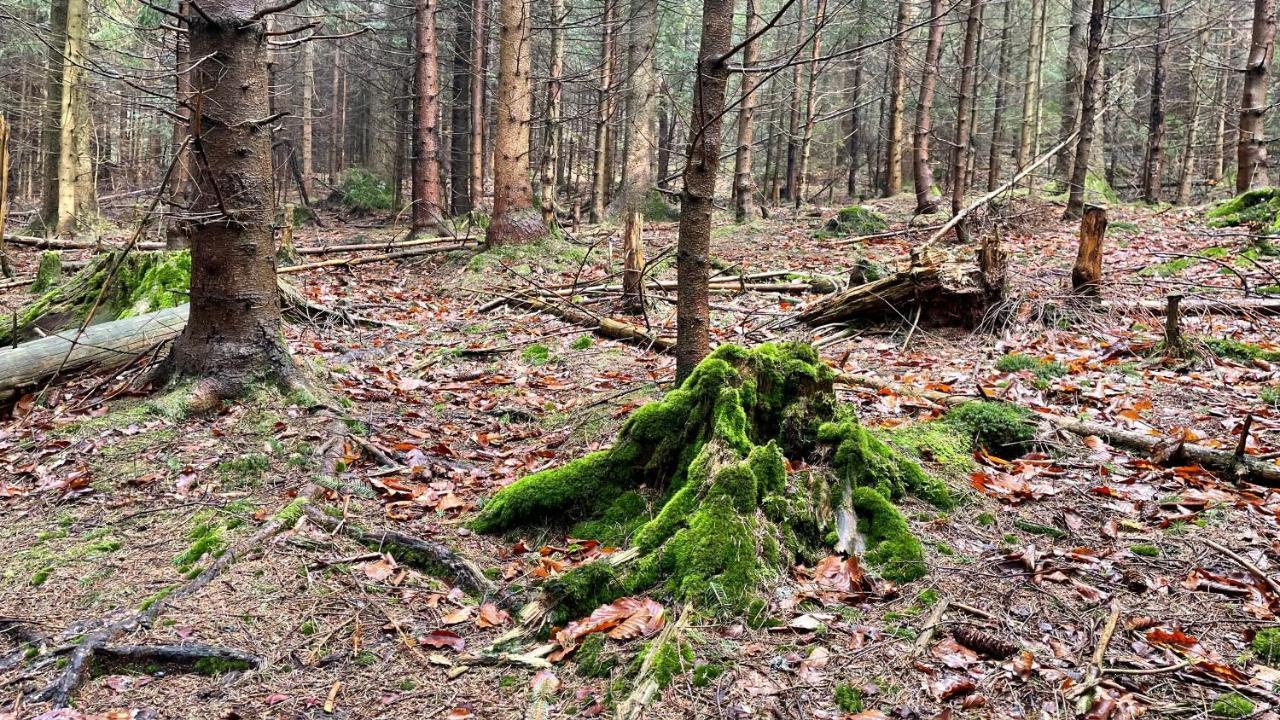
[743, 184]
[960, 148]
[1077, 40]
[997, 113]
[793, 115]
[637, 178]
[1187, 168]
[308, 112]
[811, 102]
[514, 220]
[604, 100]
[177, 231]
[479, 69]
[1088, 110]
[1030, 101]
[922, 169]
[427, 208]
[460, 110]
[551, 142]
[233, 335]
[897, 103]
[702, 162]
[75, 161]
[1153, 163]
[1251, 152]
[855, 116]
[51, 134]
[1219, 165]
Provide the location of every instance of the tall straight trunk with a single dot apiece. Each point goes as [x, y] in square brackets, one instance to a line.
[1038, 132]
[771, 190]
[5, 268]
[479, 71]
[75, 162]
[1251, 153]
[997, 113]
[233, 333]
[551, 141]
[1077, 40]
[460, 112]
[637, 178]
[793, 118]
[960, 148]
[1088, 111]
[1188, 164]
[337, 102]
[810, 103]
[514, 219]
[427, 209]
[855, 114]
[743, 185]
[921, 167]
[51, 133]
[1153, 163]
[664, 145]
[1030, 102]
[897, 103]
[1219, 164]
[308, 112]
[702, 162]
[604, 100]
[177, 232]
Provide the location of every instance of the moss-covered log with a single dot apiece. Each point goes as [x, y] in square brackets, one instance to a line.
[698, 484]
[128, 284]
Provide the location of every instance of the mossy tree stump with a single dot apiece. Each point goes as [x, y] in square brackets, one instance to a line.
[698, 483]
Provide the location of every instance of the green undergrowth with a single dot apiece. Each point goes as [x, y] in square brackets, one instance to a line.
[551, 254]
[854, 220]
[363, 191]
[140, 283]
[1043, 369]
[210, 534]
[1240, 351]
[697, 482]
[1232, 705]
[1258, 209]
[1266, 645]
[1002, 428]
[945, 444]
[48, 272]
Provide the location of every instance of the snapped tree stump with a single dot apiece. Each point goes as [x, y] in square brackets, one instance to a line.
[698, 484]
[1086, 275]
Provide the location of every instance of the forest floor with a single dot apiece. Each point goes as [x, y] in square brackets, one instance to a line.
[106, 504]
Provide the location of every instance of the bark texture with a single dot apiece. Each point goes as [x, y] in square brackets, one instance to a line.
[1153, 163]
[642, 110]
[743, 184]
[1088, 111]
[1086, 274]
[960, 148]
[1251, 152]
[922, 168]
[897, 103]
[427, 208]
[514, 219]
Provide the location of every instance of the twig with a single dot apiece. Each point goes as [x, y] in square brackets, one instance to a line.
[1271, 582]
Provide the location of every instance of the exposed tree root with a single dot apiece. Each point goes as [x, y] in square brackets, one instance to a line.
[655, 670]
[608, 327]
[192, 655]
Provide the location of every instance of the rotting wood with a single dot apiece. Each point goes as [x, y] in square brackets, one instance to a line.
[1086, 274]
[366, 259]
[645, 685]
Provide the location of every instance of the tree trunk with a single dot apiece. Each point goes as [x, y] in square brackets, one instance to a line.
[897, 103]
[1153, 163]
[637, 179]
[1188, 164]
[336, 102]
[308, 121]
[1077, 40]
[702, 162]
[960, 148]
[1251, 153]
[177, 231]
[1030, 102]
[514, 220]
[743, 184]
[665, 133]
[427, 208]
[922, 169]
[460, 145]
[551, 141]
[5, 268]
[233, 336]
[75, 161]
[1219, 166]
[811, 102]
[793, 112]
[479, 70]
[997, 113]
[1088, 110]
[1086, 275]
[855, 115]
[600, 159]
[51, 134]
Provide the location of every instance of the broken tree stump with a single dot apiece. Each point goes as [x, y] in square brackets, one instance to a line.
[1086, 275]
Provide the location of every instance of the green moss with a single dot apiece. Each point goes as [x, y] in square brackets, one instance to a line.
[1168, 268]
[865, 460]
[39, 577]
[582, 343]
[219, 666]
[1258, 209]
[1240, 351]
[985, 520]
[705, 674]
[290, 514]
[1233, 705]
[1001, 427]
[848, 698]
[243, 471]
[1038, 529]
[1040, 367]
[891, 547]
[938, 442]
[855, 220]
[671, 658]
[156, 597]
[591, 660]
[48, 272]
[1122, 227]
[1266, 644]
[536, 354]
[1145, 550]
[623, 516]
[584, 588]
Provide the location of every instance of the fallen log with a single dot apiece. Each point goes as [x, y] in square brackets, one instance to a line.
[1238, 467]
[1202, 306]
[359, 247]
[41, 243]
[608, 327]
[352, 262]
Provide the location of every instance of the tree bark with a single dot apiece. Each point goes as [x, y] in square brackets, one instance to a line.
[897, 103]
[1086, 275]
[637, 179]
[551, 141]
[1219, 166]
[743, 183]
[233, 336]
[479, 69]
[1077, 41]
[1153, 163]
[1187, 168]
[702, 162]
[308, 121]
[427, 208]
[5, 268]
[793, 113]
[997, 113]
[75, 162]
[604, 108]
[460, 111]
[1030, 101]
[1251, 153]
[177, 231]
[960, 148]
[811, 102]
[1088, 110]
[514, 220]
[51, 134]
[922, 169]
[855, 114]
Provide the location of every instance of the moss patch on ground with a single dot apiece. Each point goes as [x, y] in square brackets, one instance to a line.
[854, 220]
[1002, 428]
[1258, 209]
[726, 515]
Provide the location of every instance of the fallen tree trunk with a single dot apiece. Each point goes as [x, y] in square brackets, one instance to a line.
[41, 243]
[1204, 306]
[352, 262]
[1238, 467]
[388, 246]
[608, 327]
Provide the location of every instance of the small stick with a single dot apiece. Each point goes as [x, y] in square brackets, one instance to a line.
[930, 626]
[1107, 631]
[1244, 436]
[1244, 563]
